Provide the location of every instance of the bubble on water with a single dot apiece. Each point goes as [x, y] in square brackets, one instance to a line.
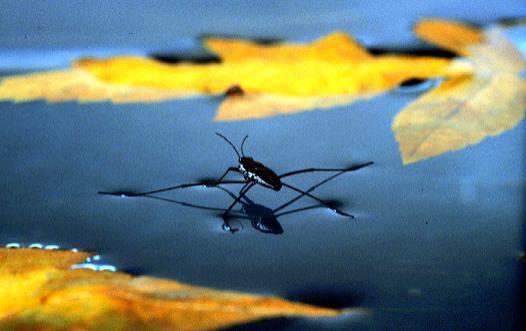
[107, 267]
[32, 246]
[94, 267]
[87, 264]
[90, 266]
[236, 227]
[93, 258]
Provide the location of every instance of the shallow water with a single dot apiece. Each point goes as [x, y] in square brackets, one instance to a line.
[436, 243]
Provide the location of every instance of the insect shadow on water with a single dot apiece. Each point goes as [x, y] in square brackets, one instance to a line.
[254, 173]
[262, 218]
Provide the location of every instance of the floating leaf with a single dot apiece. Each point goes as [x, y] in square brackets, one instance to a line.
[303, 77]
[484, 95]
[335, 47]
[286, 78]
[469, 108]
[254, 106]
[75, 85]
[40, 292]
[454, 36]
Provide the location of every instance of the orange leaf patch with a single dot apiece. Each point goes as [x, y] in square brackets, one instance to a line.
[40, 292]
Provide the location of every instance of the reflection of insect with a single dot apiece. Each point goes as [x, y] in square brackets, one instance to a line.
[254, 173]
[261, 218]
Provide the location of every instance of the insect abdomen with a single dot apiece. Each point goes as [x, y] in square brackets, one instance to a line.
[255, 171]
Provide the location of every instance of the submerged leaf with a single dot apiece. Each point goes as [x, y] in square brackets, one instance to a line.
[465, 109]
[39, 291]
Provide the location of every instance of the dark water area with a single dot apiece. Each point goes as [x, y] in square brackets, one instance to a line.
[433, 245]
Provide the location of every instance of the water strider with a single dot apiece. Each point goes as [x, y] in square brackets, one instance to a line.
[254, 173]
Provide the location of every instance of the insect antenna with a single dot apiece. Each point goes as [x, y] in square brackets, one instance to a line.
[228, 141]
[242, 143]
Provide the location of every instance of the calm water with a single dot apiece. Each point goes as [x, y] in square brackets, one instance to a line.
[434, 244]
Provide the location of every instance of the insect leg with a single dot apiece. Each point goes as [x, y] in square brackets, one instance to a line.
[247, 200]
[242, 193]
[184, 203]
[317, 199]
[351, 168]
[188, 204]
[223, 176]
[310, 189]
[139, 194]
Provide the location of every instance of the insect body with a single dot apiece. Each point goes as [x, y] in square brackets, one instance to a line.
[252, 170]
[257, 172]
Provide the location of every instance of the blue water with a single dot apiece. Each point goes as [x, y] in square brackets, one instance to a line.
[434, 245]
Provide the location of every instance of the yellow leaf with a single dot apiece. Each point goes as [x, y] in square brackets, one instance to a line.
[466, 109]
[305, 78]
[337, 46]
[331, 68]
[450, 35]
[40, 292]
[256, 106]
[75, 85]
